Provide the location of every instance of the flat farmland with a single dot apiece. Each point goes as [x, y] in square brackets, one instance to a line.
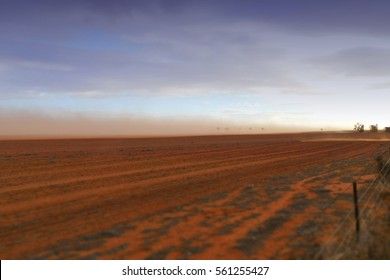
[206, 197]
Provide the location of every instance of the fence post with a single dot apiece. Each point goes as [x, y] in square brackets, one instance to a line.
[355, 199]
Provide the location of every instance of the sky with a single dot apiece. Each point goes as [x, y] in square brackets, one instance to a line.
[139, 67]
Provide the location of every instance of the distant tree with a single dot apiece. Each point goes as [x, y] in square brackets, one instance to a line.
[359, 127]
[374, 128]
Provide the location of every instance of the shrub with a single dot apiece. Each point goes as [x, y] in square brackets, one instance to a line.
[374, 128]
[359, 127]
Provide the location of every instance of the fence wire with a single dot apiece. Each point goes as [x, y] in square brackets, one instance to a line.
[344, 239]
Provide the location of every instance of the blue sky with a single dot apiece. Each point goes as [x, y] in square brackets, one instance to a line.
[280, 65]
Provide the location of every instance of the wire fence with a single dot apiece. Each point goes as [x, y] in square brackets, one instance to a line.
[347, 240]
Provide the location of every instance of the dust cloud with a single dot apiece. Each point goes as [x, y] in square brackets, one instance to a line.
[20, 124]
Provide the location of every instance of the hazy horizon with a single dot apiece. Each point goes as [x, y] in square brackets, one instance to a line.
[39, 125]
[165, 67]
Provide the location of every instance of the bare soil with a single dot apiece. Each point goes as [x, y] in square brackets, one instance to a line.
[207, 197]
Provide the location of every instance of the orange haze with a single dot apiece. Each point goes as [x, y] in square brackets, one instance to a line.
[33, 124]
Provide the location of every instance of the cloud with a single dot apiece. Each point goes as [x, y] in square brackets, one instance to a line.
[379, 86]
[145, 53]
[159, 47]
[356, 62]
[302, 16]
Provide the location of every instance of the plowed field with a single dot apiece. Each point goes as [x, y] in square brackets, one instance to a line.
[211, 197]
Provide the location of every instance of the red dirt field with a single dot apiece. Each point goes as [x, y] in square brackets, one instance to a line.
[206, 197]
